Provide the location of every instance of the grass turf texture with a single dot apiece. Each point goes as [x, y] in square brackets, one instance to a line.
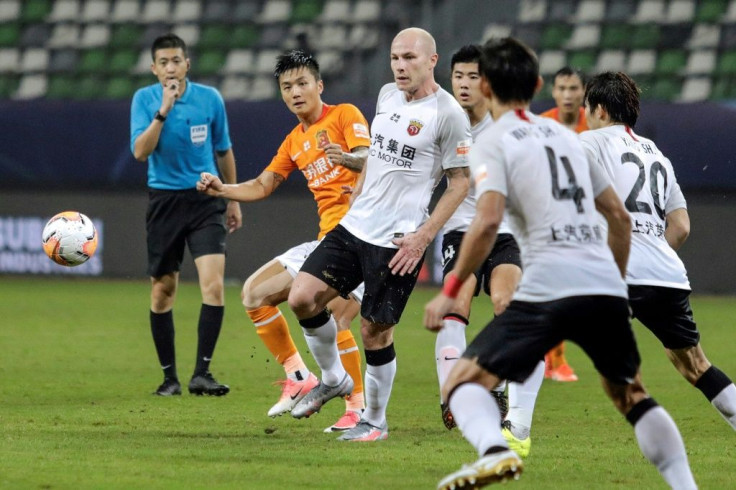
[78, 366]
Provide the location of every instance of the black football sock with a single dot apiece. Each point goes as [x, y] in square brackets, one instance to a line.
[210, 323]
[162, 329]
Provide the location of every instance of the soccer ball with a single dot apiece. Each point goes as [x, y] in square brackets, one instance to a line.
[69, 238]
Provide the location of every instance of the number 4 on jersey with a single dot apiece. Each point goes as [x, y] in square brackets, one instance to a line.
[573, 191]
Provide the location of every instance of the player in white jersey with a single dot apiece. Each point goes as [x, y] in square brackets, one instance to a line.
[572, 286]
[659, 289]
[419, 134]
[498, 276]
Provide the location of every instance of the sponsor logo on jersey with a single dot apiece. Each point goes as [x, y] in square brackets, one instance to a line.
[323, 139]
[307, 145]
[414, 127]
[361, 130]
[463, 147]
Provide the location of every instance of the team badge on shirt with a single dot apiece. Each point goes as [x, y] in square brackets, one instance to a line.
[323, 139]
[198, 134]
[414, 127]
[307, 145]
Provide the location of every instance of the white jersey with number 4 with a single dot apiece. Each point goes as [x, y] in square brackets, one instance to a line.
[460, 220]
[411, 144]
[549, 185]
[645, 181]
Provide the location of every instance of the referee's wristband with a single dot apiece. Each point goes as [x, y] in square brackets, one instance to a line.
[159, 117]
[452, 286]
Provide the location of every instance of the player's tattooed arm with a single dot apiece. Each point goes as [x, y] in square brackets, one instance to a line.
[353, 160]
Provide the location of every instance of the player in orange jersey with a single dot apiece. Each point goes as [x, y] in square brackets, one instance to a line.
[329, 146]
[568, 91]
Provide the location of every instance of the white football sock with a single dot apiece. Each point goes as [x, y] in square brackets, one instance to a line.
[450, 344]
[725, 403]
[477, 416]
[661, 443]
[321, 342]
[522, 398]
[377, 389]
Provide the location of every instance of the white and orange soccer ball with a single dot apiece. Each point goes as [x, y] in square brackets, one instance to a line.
[69, 238]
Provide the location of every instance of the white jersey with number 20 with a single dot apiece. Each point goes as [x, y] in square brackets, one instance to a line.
[549, 185]
[645, 181]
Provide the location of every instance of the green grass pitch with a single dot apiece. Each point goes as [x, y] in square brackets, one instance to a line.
[78, 366]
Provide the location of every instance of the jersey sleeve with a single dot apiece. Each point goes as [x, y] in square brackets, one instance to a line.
[282, 163]
[220, 129]
[598, 176]
[139, 118]
[675, 199]
[354, 126]
[454, 137]
[488, 167]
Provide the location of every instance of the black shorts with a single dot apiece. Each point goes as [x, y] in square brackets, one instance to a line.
[178, 218]
[505, 251]
[343, 261]
[513, 343]
[667, 313]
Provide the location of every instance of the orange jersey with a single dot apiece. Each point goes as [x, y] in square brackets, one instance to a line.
[302, 150]
[555, 114]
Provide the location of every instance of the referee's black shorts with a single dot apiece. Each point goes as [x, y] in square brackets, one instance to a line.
[178, 218]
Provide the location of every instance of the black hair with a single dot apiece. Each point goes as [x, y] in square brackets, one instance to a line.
[167, 41]
[567, 71]
[617, 93]
[511, 68]
[470, 53]
[295, 59]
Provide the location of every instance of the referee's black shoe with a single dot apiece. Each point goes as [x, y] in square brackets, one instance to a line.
[206, 384]
[169, 387]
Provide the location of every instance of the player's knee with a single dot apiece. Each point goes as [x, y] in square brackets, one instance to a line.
[249, 297]
[300, 303]
[500, 302]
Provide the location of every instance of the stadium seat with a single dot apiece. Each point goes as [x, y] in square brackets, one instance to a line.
[64, 35]
[31, 87]
[680, 11]
[89, 87]
[64, 11]
[496, 30]
[265, 61]
[305, 11]
[611, 60]
[35, 10]
[336, 11]
[95, 11]
[649, 11]
[366, 11]
[330, 61]
[532, 34]
[94, 36]
[665, 88]
[235, 87]
[214, 36]
[582, 60]
[245, 11]
[644, 37]
[704, 36]
[142, 67]
[9, 34]
[532, 11]
[728, 37]
[122, 61]
[34, 60]
[8, 85]
[275, 11]
[245, 36]
[125, 11]
[262, 88]
[561, 10]
[238, 62]
[554, 36]
[695, 89]
[120, 88]
[590, 11]
[9, 60]
[727, 63]
[710, 10]
[550, 61]
[332, 36]
[10, 11]
[641, 61]
[701, 62]
[674, 35]
[61, 86]
[155, 11]
[723, 88]
[188, 32]
[615, 36]
[363, 37]
[208, 62]
[670, 62]
[35, 35]
[584, 36]
[272, 36]
[620, 10]
[126, 36]
[63, 61]
[187, 11]
[216, 11]
[93, 61]
[729, 17]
